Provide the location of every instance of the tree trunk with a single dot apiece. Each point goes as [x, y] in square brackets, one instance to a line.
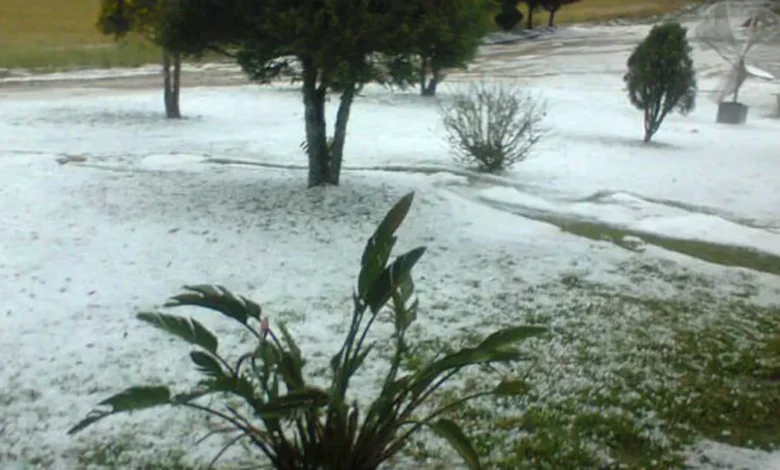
[171, 84]
[314, 118]
[423, 75]
[176, 92]
[430, 90]
[530, 24]
[551, 23]
[340, 133]
[651, 123]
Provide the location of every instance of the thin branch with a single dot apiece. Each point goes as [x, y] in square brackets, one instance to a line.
[212, 433]
[440, 411]
[247, 430]
[241, 360]
[428, 391]
[224, 449]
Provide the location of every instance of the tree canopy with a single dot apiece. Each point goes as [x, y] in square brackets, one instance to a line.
[448, 37]
[661, 76]
[328, 45]
[148, 18]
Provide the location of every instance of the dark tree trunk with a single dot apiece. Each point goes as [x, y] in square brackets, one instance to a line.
[553, 11]
[314, 118]
[653, 118]
[176, 84]
[430, 90]
[423, 76]
[324, 160]
[171, 83]
[530, 23]
[340, 133]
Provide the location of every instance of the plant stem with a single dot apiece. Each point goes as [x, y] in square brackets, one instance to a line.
[247, 430]
[423, 422]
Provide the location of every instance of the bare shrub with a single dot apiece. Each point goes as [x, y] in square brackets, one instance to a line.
[493, 125]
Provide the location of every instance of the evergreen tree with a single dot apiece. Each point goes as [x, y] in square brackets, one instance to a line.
[660, 76]
[552, 7]
[119, 18]
[331, 46]
[533, 5]
[448, 37]
[508, 16]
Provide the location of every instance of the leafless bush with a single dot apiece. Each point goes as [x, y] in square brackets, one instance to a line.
[493, 126]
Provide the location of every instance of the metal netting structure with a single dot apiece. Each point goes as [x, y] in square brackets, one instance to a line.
[746, 34]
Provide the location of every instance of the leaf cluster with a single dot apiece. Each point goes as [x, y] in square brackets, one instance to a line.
[121, 17]
[298, 425]
[660, 76]
[660, 70]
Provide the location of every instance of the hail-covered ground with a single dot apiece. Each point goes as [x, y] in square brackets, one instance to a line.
[655, 267]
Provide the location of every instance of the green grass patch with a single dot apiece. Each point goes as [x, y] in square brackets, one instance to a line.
[629, 381]
[132, 53]
[723, 255]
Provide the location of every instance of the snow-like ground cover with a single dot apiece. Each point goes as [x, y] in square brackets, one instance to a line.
[656, 348]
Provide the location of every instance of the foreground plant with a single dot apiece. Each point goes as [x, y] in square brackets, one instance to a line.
[297, 425]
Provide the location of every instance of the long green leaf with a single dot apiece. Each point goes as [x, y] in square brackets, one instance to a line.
[136, 398]
[405, 315]
[388, 226]
[268, 353]
[406, 289]
[130, 399]
[293, 401]
[452, 433]
[240, 386]
[391, 278]
[208, 365]
[463, 358]
[219, 299]
[292, 372]
[291, 345]
[510, 336]
[380, 245]
[511, 387]
[185, 328]
[375, 263]
[361, 357]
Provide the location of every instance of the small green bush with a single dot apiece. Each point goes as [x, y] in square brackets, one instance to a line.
[660, 76]
[297, 425]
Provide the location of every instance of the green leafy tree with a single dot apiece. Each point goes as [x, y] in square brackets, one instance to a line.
[552, 7]
[298, 425]
[119, 18]
[448, 37]
[660, 75]
[533, 6]
[508, 16]
[330, 46]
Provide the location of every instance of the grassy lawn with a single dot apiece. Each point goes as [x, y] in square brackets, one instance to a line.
[599, 10]
[672, 370]
[61, 34]
[51, 35]
[697, 365]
